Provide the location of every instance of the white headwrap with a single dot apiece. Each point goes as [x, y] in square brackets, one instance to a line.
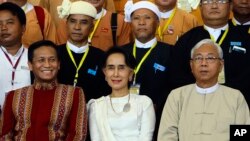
[130, 8]
[78, 7]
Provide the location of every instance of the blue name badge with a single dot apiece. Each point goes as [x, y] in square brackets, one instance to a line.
[159, 67]
[92, 72]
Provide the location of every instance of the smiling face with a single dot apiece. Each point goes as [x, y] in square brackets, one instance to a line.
[205, 72]
[144, 23]
[45, 64]
[11, 30]
[79, 27]
[117, 73]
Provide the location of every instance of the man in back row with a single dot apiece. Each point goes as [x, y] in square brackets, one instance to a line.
[40, 26]
[102, 36]
[80, 64]
[15, 72]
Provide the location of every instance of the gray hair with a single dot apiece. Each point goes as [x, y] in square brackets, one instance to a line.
[210, 42]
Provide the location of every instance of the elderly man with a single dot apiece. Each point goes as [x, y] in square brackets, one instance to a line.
[45, 110]
[204, 110]
[153, 58]
[80, 64]
[234, 43]
[15, 72]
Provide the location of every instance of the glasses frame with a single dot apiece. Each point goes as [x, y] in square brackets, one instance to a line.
[207, 2]
[208, 59]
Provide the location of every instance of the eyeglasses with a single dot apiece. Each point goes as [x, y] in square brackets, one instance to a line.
[208, 59]
[214, 1]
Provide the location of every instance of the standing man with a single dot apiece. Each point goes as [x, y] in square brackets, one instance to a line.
[109, 29]
[45, 110]
[205, 110]
[80, 64]
[234, 43]
[153, 57]
[241, 11]
[174, 21]
[15, 72]
[39, 23]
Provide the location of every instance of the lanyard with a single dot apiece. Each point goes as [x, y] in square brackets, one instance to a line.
[143, 58]
[14, 66]
[222, 38]
[160, 32]
[80, 64]
[234, 22]
[95, 27]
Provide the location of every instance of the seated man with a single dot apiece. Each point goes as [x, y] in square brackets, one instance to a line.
[204, 110]
[46, 110]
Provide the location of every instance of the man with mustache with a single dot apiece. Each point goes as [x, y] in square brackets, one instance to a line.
[234, 43]
[15, 72]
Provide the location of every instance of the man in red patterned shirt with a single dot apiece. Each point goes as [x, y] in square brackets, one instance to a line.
[45, 110]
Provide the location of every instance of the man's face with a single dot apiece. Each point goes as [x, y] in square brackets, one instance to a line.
[11, 30]
[144, 23]
[166, 3]
[98, 4]
[241, 7]
[45, 64]
[206, 64]
[215, 13]
[79, 27]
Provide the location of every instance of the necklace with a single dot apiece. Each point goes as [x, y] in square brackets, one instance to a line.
[126, 107]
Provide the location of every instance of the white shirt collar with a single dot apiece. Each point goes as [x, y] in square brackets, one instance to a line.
[99, 15]
[149, 44]
[76, 49]
[167, 14]
[206, 90]
[19, 52]
[238, 23]
[27, 7]
[215, 32]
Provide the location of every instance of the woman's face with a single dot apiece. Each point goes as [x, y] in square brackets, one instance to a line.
[117, 73]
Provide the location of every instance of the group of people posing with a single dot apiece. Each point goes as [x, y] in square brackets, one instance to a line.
[159, 76]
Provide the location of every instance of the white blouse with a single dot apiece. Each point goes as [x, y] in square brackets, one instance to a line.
[135, 125]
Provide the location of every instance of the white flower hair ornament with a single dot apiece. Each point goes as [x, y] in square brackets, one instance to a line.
[64, 9]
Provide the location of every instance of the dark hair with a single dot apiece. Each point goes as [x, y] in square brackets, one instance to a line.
[129, 58]
[14, 10]
[39, 44]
